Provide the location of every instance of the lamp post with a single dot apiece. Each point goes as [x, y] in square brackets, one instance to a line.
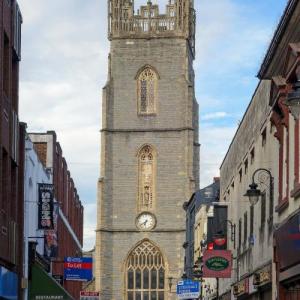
[293, 98]
[254, 193]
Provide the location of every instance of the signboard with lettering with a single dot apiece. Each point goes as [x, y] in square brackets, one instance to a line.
[241, 288]
[89, 295]
[188, 289]
[78, 268]
[45, 211]
[217, 264]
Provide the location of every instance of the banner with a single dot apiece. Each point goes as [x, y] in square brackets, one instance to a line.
[217, 264]
[51, 240]
[45, 211]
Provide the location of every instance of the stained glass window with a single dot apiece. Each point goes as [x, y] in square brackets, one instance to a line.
[145, 273]
[147, 90]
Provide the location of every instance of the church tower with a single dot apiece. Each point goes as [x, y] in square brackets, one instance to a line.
[149, 149]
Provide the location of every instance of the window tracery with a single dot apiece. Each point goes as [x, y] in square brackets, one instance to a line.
[147, 91]
[146, 178]
[145, 273]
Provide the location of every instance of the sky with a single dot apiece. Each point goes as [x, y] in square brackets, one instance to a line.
[64, 67]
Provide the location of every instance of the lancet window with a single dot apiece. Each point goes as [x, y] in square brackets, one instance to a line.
[146, 178]
[147, 91]
[145, 273]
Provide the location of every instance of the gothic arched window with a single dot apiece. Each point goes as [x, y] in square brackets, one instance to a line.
[147, 91]
[145, 273]
[146, 184]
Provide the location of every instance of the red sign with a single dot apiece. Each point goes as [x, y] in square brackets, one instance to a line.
[89, 295]
[217, 264]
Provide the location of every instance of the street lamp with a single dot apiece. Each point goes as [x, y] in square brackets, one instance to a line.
[293, 98]
[254, 193]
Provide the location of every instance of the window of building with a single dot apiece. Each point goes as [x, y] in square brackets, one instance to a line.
[147, 91]
[245, 227]
[145, 273]
[251, 220]
[246, 166]
[263, 208]
[264, 137]
[240, 235]
[146, 178]
[241, 175]
[6, 64]
[252, 156]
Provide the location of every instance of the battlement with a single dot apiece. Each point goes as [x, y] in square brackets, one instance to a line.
[177, 21]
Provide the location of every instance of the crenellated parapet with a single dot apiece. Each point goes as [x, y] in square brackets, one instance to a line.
[147, 22]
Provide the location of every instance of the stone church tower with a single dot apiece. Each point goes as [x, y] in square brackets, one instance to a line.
[150, 150]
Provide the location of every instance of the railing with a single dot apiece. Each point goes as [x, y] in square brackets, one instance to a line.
[145, 25]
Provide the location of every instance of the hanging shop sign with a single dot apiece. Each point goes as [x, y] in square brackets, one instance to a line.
[241, 288]
[262, 277]
[45, 211]
[78, 268]
[217, 264]
[89, 295]
[51, 239]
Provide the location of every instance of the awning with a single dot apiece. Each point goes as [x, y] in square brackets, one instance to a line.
[43, 287]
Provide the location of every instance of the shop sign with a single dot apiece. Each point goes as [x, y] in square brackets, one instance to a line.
[241, 288]
[217, 264]
[89, 295]
[261, 278]
[45, 210]
[59, 279]
[78, 268]
[50, 297]
[51, 238]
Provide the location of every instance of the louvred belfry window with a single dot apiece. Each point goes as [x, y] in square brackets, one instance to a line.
[146, 178]
[147, 91]
[145, 273]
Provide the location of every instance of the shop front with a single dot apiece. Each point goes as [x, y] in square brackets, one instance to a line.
[287, 249]
[8, 284]
[257, 286]
[44, 287]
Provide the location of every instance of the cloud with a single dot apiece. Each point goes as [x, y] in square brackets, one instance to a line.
[214, 142]
[89, 226]
[215, 115]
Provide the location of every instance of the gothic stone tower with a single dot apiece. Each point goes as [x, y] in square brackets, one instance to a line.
[150, 150]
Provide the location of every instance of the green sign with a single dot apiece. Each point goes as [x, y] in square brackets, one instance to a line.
[217, 263]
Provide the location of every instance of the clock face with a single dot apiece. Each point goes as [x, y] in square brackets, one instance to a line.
[145, 221]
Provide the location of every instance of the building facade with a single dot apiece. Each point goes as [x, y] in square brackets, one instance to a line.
[254, 147]
[66, 238]
[265, 151]
[199, 213]
[150, 150]
[282, 67]
[11, 153]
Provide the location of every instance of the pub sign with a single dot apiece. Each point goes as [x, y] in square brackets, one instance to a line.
[45, 212]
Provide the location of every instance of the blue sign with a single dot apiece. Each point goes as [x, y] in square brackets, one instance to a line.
[78, 268]
[8, 284]
[188, 289]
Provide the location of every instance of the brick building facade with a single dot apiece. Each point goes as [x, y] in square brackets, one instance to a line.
[11, 149]
[70, 212]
